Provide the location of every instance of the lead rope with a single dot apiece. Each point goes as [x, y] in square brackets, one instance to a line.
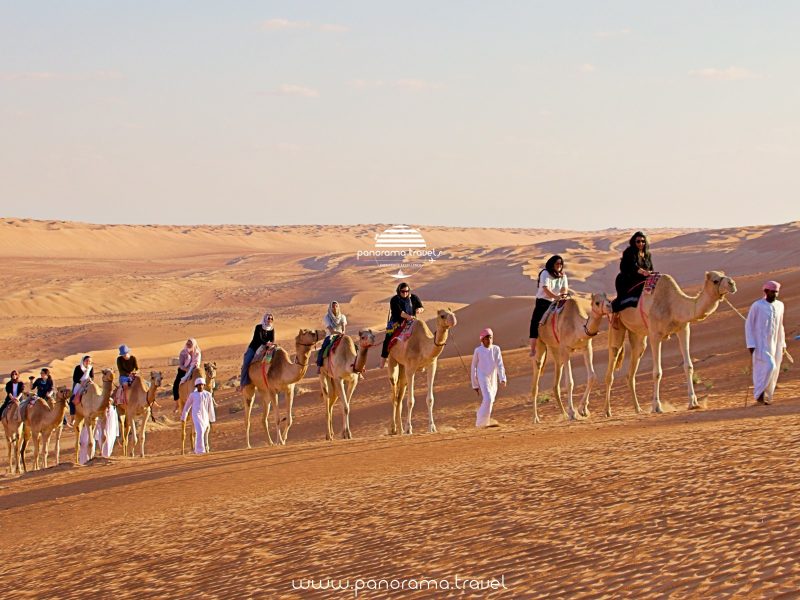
[461, 358]
[736, 310]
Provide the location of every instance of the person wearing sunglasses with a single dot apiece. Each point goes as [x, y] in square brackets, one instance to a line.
[14, 390]
[635, 266]
[263, 334]
[188, 362]
[403, 306]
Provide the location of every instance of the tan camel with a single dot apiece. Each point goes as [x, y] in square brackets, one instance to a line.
[139, 404]
[39, 420]
[562, 334]
[280, 376]
[12, 425]
[420, 351]
[665, 311]
[210, 375]
[339, 375]
[93, 404]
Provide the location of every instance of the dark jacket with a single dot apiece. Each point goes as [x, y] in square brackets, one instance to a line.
[261, 337]
[77, 374]
[629, 277]
[399, 304]
[9, 388]
[42, 387]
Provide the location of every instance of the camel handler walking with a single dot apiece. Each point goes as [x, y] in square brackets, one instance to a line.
[201, 403]
[766, 340]
[487, 369]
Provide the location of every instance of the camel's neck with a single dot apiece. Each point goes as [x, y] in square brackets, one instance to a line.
[593, 323]
[361, 359]
[105, 400]
[701, 306]
[151, 393]
[297, 370]
[439, 340]
[56, 414]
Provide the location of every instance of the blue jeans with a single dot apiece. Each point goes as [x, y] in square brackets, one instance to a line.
[244, 378]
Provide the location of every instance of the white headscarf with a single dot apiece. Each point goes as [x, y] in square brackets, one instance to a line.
[85, 369]
[334, 321]
[267, 325]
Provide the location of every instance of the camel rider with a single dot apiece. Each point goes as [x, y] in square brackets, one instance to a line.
[635, 266]
[335, 323]
[263, 334]
[403, 306]
[43, 386]
[128, 368]
[551, 285]
[81, 375]
[14, 391]
[188, 360]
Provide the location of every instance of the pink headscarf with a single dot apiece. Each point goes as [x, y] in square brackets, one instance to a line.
[773, 286]
[486, 331]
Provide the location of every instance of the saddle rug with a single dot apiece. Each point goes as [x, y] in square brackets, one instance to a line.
[265, 352]
[555, 308]
[650, 282]
[336, 340]
[402, 333]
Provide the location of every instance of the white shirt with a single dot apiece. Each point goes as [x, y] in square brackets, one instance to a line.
[554, 284]
[764, 329]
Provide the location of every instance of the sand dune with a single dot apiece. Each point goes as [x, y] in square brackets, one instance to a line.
[686, 504]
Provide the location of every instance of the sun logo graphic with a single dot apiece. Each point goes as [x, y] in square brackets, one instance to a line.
[400, 251]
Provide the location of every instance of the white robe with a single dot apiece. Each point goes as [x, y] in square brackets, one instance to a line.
[202, 406]
[107, 425]
[487, 369]
[765, 333]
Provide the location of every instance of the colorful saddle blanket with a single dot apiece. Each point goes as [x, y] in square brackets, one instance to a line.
[333, 344]
[555, 308]
[265, 353]
[402, 333]
[650, 282]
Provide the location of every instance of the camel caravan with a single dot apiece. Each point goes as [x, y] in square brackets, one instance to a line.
[562, 324]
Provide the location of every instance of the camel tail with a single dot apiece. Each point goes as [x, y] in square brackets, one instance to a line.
[620, 356]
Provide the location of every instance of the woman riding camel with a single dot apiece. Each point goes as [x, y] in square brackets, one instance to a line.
[335, 323]
[128, 367]
[635, 266]
[83, 372]
[403, 306]
[263, 334]
[14, 390]
[551, 285]
[188, 360]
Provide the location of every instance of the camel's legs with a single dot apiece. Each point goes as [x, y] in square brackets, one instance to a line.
[289, 406]
[46, 441]
[616, 345]
[688, 367]
[248, 406]
[538, 366]
[58, 443]
[394, 382]
[11, 444]
[275, 402]
[78, 424]
[638, 346]
[410, 373]
[325, 393]
[266, 404]
[342, 392]
[429, 399]
[36, 465]
[123, 422]
[570, 384]
[655, 349]
[559, 371]
[135, 436]
[144, 427]
[591, 378]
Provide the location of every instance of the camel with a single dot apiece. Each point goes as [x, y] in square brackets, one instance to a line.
[186, 388]
[12, 425]
[139, 404]
[562, 334]
[420, 351]
[665, 311]
[339, 375]
[93, 404]
[39, 421]
[268, 382]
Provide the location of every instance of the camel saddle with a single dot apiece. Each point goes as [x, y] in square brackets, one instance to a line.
[555, 308]
[402, 333]
[650, 282]
[265, 352]
[336, 339]
[24, 404]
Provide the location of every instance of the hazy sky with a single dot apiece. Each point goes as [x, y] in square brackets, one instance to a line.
[504, 113]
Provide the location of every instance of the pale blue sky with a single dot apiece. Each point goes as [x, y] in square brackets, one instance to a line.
[537, 114]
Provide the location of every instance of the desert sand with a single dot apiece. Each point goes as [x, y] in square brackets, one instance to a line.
[686, 504]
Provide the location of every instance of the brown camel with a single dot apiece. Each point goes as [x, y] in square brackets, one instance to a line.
[339, 375]
[12, 425]
[139, 404]
[420, 351]
[39, 420]
[665, 311]
[562, 334]
[93, 404]
[280, 376]
[210, 375]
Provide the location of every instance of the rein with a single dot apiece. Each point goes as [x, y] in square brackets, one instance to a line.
[586, 325]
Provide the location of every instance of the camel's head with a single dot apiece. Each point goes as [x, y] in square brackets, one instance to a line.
[721, 283]
[366, 338]
[446, 318]
[63, 394]
[108, 376]
[601, 305]
[210, 369]
[309, 337]
[155, 378]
